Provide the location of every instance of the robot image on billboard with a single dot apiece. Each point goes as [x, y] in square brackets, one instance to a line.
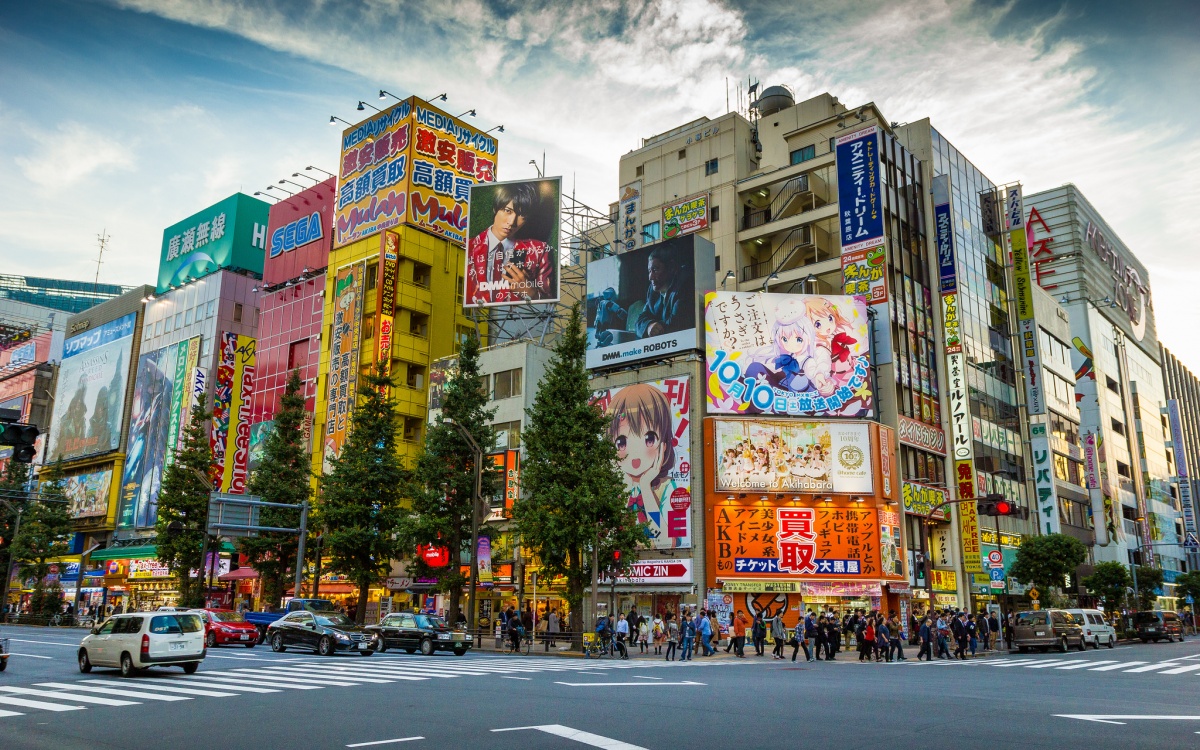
[788, 354]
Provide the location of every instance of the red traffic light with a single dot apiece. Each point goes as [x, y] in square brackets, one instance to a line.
[1003, 508]
[997, 505]
[616, 555]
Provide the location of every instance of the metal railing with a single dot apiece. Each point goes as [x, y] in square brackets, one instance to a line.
[773, 210]
[796, 240]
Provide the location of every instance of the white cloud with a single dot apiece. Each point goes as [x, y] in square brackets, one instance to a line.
[71, 153]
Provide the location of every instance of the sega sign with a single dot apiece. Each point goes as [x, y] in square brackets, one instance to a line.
[302, 231]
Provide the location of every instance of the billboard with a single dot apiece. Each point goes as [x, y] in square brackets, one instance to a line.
[414, 164]
[299, 233]
[513, 253]
[87, 493]
[229, 435]
[651, 430]
[343, 357]
[229, 234]
[860, 202]
[685, 216]
[793, 456]
[787, 354]
[642, 304]
[90, 398]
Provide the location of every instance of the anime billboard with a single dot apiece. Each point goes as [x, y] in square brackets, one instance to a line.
[788, 355]
[793, 456]
[651, 429]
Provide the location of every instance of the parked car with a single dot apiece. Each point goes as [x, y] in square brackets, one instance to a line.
[1156, 625]
[224, 626]
[263, 620]
[1046, 628]
[419, 632]
[136, 641]
[1096, 629]
[323, 632]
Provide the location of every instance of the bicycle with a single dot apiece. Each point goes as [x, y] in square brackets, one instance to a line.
[591, 646]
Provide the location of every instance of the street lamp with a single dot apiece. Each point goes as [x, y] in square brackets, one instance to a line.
[477, 454]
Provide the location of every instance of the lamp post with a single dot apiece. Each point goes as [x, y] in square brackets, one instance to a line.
[477, 459]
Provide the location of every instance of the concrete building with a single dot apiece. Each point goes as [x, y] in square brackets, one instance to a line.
[1183, 420]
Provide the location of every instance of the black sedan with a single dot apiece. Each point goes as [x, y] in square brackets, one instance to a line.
[323, 632]
[418, 632]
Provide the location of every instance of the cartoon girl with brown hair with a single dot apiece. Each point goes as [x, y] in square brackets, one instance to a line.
[642, 430]
[831, 330]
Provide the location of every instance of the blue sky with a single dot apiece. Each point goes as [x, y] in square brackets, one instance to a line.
[127, 115]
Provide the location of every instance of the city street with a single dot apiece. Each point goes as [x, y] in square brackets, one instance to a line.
[1131, 696]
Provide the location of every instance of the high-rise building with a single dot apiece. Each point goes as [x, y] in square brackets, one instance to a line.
[1183, 420]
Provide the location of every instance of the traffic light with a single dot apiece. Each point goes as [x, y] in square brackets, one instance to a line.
[616, 557]
[998, 505]
[21, 437]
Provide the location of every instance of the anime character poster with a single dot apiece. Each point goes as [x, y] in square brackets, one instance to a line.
[788, 354]
[793, 456]
[149, 436]
[651, 429]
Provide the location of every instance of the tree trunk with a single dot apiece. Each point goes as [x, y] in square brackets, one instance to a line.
[360, 612]
[455, 591]
[595, 577]
[575, 596]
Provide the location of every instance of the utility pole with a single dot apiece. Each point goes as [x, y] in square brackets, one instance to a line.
[102, 240]
[9, 565]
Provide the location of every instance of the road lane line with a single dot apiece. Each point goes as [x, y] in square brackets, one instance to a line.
[33, 656]
[69, 696]
[1120, 665]
[1086, 664]
[114, 691]
[1151, 667]
[1181, 670]
[510, 677]
[627, 684]
[1046, 663]
[384, 742]
[157, 684]
[586, 738]
[4, 714]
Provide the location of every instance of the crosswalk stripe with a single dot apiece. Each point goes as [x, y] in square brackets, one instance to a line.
[1119, 665]
[225, 686]
[1046, 663]
[394, 673]
[158, 684]
[1181, 670]
[8, 701]
[113, 691]
[319, 673]
[1151, 667]
[1016, 663]
[1086, 664]
[284, 677]
[248, 679]
[69, 696]
[4, 714]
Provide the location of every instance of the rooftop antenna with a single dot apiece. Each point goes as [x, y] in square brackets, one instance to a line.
[101, 240]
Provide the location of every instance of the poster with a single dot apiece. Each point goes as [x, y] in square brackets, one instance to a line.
[259, 432]
[685, 216]
[1043, 479]
[860, 202]
[513, 253]
[920, 500]
[793, 456]
[651, 429]
[87, 493]
[787, 354]
[642, 304]
[343, 358]
[484, 557]
[90, 399]
[230, 434]
[864, 272]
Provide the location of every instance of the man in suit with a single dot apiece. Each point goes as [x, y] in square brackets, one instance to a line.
[501, 266]
[670, 297]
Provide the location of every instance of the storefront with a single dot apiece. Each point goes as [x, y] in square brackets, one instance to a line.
[134, 579]
[654, 586]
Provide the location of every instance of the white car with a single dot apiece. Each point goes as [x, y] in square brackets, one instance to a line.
[1096, 630]
[136, 641]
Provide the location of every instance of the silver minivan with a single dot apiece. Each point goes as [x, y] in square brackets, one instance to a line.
[1096, 629]
[136, 641]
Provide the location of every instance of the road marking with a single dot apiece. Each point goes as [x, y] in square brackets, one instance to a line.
[1113, 718]
[625, 684]
[114, 691]
[1152, 667]
[586, 738]
[643, 677]
[38, 704]
[1014, 662]
[317, 672]
[68, 696]
[32, 656]
[4, 714]
[1120, 665]
[244, 658]
[158, 685]
[204, 683]
[1181, 670]
[1045, 664]
[294, 677]
[509, 677]
[1086, 664]
[46, 643]
[384, 742]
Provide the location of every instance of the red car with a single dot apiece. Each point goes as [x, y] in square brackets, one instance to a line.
[225, 626]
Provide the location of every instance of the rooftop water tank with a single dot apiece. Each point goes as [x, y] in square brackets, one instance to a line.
[774, 99]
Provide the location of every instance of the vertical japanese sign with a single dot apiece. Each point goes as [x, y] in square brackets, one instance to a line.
[181, 397]
[1035, 393]
[385, 306]
[234, 448]
[222, 403]
[629, 217]
[860, 205]
[484, 557]
[343, 357]
[448, 157]
[1043, 478]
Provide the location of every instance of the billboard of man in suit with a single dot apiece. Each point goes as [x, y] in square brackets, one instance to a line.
[512, 256]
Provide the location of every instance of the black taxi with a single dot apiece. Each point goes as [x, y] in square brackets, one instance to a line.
[416, 631]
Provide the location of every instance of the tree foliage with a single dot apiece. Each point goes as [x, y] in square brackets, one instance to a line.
[45, 532]
[1110, 581]
[1188, 584]
[444, 480]
[574, 500]
[361, 497]
[14, 495]
[1045, 561]
[183, 501]
[282, 476]
[1148, 581]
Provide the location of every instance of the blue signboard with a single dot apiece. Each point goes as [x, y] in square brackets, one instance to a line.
[944, 243]
[860, 204]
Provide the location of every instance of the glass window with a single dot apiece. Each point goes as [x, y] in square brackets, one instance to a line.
[651, 232]
[212, 308]
[237, 312]
[187, 316]
[506, 384]
[107, 627]
[372, 275]
[715, 216]
[710, 167]
[165, 624]
[804, 154]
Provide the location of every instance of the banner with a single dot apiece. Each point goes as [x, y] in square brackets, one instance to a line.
[864, 272]
[1035, 392]
[90, 401]
[793, 456]
[787, 354]
[484, 557]
[87, 493]
[860, 204]
[921, 435]
[642, 304]
[685, 216]
[652, 431]
[920, 499]
[235, 388]
[343, 358]
[385, 302]
[513, 255]
[1043, 479]
[656, 571]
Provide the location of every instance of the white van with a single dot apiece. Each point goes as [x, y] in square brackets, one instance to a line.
[136, 641]
[1096, 629]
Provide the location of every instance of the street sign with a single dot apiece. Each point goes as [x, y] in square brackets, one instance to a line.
[997, 574]
[995, 558]
[1034, 594]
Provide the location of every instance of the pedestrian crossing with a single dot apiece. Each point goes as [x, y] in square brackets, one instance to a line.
[1176, 666]
[98, 690]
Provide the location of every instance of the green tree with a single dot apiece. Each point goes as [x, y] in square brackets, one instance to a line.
[14, 495]
[1188, 584]
[183, 508]
[361, 498]
[1045, 561]
[1148, 579]
[282, 476]
[45, 532]
[444, 480]
[573, 513]
[1110, 581]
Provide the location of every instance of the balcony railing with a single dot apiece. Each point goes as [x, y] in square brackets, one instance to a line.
[778, 205]
[800, 247]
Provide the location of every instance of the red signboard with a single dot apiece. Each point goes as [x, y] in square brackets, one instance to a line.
[434, 556]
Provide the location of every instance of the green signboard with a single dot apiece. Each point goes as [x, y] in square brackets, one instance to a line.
[230, 234]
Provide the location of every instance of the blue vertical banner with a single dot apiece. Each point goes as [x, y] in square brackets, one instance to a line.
[860, 204]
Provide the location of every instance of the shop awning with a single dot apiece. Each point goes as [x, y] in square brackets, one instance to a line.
[143, 551]
[241, 574]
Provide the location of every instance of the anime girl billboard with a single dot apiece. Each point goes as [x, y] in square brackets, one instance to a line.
[787, 354]
[650, 427]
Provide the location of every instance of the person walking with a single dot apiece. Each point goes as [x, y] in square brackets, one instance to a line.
[866, 639]
[895, 642]
[1008, 631]
[778, 635]
[814, 628]
[740, 623]
[943, 636]
[658, 631]
[622, 631]
[925, 638]
[758, 632]
[643, 635]
[972, 634]
[994, 630]
[714, 628]
[670, 630]
[985, 632]
[958, 626]
[833, 638]
[553, 627]
[703, 628]
[687, 635]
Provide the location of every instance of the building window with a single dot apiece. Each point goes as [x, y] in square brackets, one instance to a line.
[372, 275]
[1117, 427]
[459, 294]
[1112, 384]
[717, 262]
[297, 354]
[804, 154]
[212, 308]
[508, 435]
[651, 232]
[461, 334]
[710, 167]
[714, 215]
[237, 312]
[506, 384]
[639, 170]
[368, 327]
[682, 154]
[421, 274]
[412, 429]
[187, 316]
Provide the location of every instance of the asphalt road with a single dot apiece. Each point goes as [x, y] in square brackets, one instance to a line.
[253, 698]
